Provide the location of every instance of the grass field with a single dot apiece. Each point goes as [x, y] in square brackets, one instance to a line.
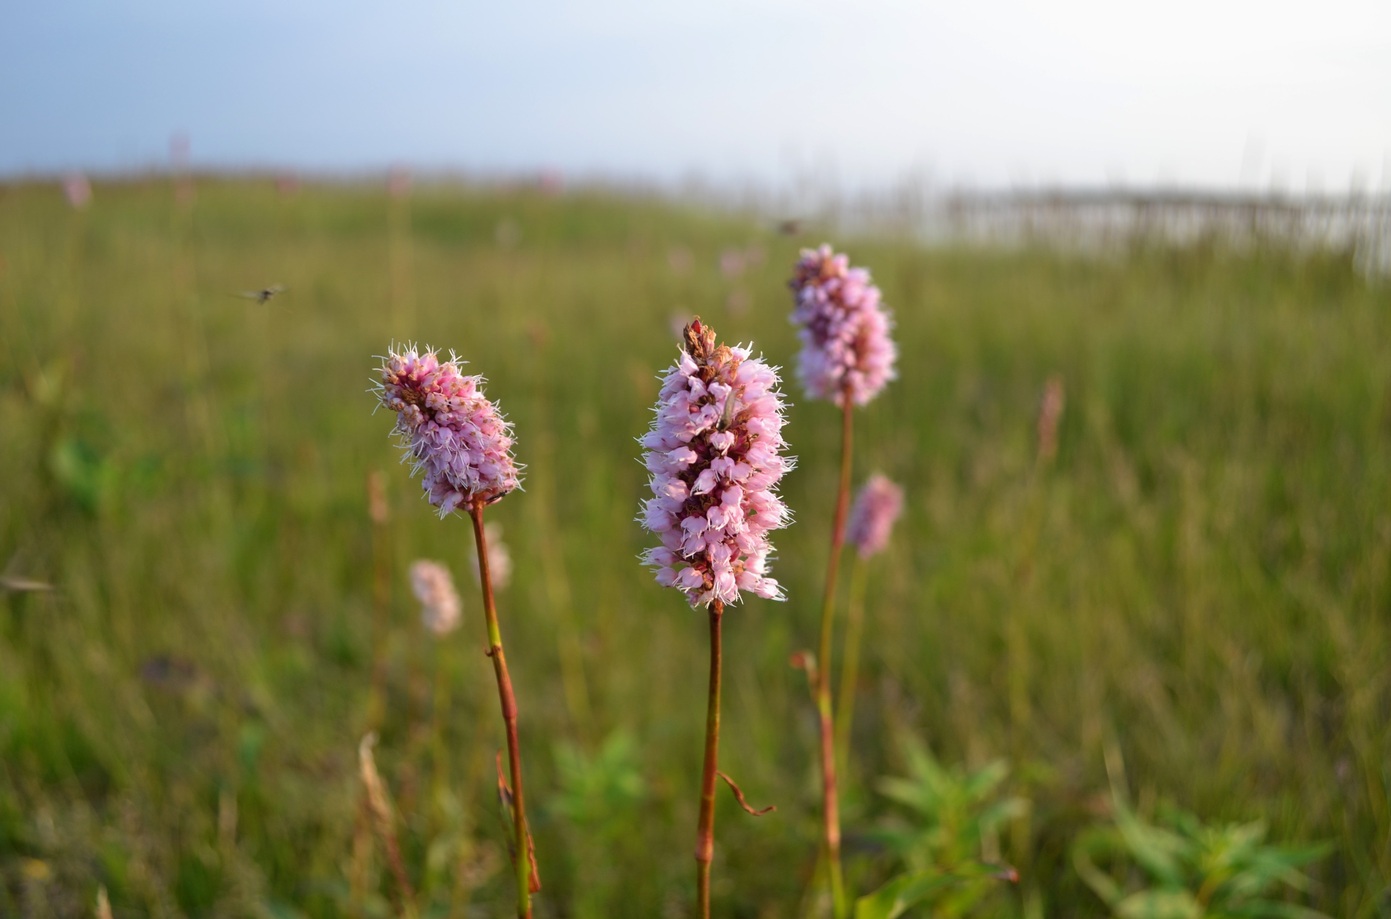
[1197, 591]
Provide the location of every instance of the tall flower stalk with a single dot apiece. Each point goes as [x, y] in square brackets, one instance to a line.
[872, 517]
[847, 357]
[715, 457]
[441, 611]
[461, 445]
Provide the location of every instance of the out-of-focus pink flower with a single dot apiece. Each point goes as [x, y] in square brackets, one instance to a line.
[77, 190]
[732, 263]
[876, 508]
[180, 167]
[398, 182]
[551, 182]
[1050, 413]
[844, 329]
[680, 260]
[450, 432]
[440, 609]
[715, 454]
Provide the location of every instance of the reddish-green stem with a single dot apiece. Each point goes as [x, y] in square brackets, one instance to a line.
[522, 854]
[829, 794]
[850, 668]
[381, 597]
[705, 831]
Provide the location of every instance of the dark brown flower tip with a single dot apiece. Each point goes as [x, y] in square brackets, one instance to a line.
[699, 341]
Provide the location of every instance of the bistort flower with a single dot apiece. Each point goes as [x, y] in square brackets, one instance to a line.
[876, 508]
[844, 329]
[449, 431]
[715, 454]
[440, 609]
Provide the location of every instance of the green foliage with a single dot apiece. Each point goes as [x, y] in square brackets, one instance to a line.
[600, 796]
[930, 889]
[598, 793]
[1180, 868]
[945, 840]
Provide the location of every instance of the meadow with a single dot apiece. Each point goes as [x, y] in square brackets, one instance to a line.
[1189, 606]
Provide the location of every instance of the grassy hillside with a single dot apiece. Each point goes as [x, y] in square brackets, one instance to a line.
[1197, 591]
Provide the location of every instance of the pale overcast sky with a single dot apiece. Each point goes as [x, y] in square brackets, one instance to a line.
[987, 94]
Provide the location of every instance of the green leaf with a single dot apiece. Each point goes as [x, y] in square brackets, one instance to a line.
[908, 890]
[1161, 853]
[1273, 909]
[899, 895]
[1160, 904]
[1102, 841]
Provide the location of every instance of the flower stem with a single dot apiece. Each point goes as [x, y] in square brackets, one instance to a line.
[705, 832]
[381, 596]
[439, 720]
[522, 854]
[829, 793]
[850, 669]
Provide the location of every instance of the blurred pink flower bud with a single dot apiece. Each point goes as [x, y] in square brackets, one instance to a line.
[877, 507]
[440, 609]
[77, 190]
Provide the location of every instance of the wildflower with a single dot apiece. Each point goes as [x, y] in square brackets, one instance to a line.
[714, 452]
[77, 190]
[846, 348]
[440, 608]
[398, 182]
[1050, 413]
[876, 508]
[451, 433]
[732, 263]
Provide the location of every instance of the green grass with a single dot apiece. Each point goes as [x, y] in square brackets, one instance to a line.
[1199, 585]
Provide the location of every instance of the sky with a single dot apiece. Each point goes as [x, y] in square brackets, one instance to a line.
[1294, 97]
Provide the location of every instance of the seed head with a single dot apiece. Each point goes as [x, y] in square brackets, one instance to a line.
[846, 348]
[715, 454]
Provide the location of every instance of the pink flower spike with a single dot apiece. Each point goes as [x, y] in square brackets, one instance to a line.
[718, 432]
[449, 431]
[844, 329]
[876, 508]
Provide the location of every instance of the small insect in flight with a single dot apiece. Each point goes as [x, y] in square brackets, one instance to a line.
[264, 294]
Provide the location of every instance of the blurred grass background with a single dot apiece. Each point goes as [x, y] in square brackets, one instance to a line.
[1200, 584]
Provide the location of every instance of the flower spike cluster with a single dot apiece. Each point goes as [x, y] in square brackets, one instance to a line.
[450, 432]
[715, 454]
[844, 330]
[877, 507]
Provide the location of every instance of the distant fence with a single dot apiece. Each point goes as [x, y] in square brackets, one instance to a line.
[1103, 218]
